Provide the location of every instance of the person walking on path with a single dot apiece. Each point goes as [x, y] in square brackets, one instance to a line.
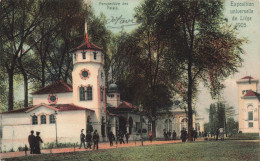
[183, 135]
[217, 133]
[165, 135]
[126, 137]
[174, 135]
[150, 136]
[117, 137]
[88, 140]
[31, 140]
[82, 139]
[121, 137]
[111, 137]
[95, 139]
[38, 141]
[169, 135]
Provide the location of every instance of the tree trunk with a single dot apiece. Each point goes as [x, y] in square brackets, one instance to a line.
[25, 79]
[153, 129]
[189, 103]
[43, 74]
[11, 91]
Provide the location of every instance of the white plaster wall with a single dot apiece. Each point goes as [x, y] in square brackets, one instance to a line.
[255, 129]
[89, 57]
[17, 127]
[115, 100]
[63, 98]
[243, 86]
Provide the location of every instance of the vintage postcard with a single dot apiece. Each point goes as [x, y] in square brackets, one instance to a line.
[129, 80]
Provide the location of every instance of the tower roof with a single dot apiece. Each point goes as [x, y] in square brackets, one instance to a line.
[247, 79]
[112, 88]
[87, 45]
[56, 87]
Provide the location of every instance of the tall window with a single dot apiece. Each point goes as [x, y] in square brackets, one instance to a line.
[168, 125]
[52, 119]
[34, 120]
[83, 55]
[103, 127]
[95, 55]
[250, 115]
[101, 94]
[82, 94]
[89, 93]
[43, 119]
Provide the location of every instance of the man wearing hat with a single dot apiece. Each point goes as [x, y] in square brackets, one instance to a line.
[31, 140]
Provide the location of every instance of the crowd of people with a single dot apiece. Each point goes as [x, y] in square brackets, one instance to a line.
[86, 140]
[168, 135]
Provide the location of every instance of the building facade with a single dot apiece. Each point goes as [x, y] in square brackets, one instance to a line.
[248, 118]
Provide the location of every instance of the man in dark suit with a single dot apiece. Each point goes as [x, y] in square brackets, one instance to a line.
[95, 139]
[111, 137]
[31, 140]
[88, 140]
[82, 139]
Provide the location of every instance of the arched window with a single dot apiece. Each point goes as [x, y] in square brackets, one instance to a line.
[43, 119]
[250, 115]
[184, 123]
[34, 120]
[89, 93]
[52, 119]
[82, 94]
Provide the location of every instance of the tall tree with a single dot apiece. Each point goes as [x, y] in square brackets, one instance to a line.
[20, 20]
[202, 44]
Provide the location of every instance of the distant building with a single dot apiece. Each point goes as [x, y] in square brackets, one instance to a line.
[199, 123]
[248, 102]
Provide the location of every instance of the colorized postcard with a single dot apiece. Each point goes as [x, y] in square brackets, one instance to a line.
[129, 80]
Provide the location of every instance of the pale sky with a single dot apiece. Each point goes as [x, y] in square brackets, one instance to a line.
[251, 65]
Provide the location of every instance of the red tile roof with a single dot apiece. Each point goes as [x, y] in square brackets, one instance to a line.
[19, 110]
[56, 87]
[247, 77]
[125, 104]
[251, 93]
[70, 107]
[58, 107]
[87, 45]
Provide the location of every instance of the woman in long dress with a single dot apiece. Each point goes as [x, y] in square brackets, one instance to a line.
[38, 141]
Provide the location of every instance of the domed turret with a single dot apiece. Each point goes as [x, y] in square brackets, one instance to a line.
[112, 88]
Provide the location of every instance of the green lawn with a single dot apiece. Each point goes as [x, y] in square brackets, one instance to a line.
[208, 150]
